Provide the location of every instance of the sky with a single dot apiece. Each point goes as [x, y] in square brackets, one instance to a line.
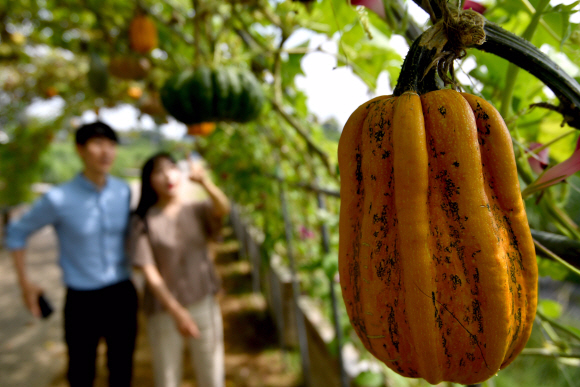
[332, 91]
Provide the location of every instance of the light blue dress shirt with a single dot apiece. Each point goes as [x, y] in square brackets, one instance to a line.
[91, 225]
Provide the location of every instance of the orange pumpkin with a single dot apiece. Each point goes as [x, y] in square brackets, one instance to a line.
[134, 92]
[51, 91]
[201, 129]
[142, 34]
[436, 260]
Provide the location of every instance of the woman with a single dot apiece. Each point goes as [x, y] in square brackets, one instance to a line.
[169, 243]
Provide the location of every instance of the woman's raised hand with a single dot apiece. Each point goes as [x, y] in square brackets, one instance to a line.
[197, 172]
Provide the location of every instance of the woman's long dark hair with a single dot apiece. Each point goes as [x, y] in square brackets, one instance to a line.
[148, 194]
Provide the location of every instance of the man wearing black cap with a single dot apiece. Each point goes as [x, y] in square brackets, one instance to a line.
[90, 215]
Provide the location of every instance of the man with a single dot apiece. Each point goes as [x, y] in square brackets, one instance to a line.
[90, 214]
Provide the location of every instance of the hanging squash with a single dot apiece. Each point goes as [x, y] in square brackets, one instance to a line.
[98, 76]
[51, 91]
[201, 129]
[221, 94]
[134, 92]
[436, 260]
[142, 34]
[129, 67]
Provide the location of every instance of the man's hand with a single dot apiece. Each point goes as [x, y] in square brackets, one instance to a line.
[30, 294]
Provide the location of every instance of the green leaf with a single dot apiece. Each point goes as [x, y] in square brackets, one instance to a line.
[369, 379]
[550, 308]
[330, 265]
[552, 269]
[574, 329]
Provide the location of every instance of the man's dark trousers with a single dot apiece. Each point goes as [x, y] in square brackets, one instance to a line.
[89, 315]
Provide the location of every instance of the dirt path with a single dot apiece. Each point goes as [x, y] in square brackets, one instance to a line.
[31, 350]
[252, 355]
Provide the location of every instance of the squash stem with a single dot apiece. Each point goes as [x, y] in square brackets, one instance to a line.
[413, 75]
[522, 53]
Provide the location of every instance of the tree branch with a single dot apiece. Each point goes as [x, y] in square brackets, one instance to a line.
[186, 38]
[545, 352]
[304, 134]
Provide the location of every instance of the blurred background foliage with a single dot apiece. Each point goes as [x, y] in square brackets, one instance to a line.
[46, 48]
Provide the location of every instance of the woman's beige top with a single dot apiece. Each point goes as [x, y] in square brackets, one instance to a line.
[178, 246]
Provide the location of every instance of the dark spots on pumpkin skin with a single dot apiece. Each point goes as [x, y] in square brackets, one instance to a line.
[456, 164]
[358, 173]
[413, 373]
[512, 268]
[470, 356]
[393, 329]
[373, 178]
[355, 275]
[445, 349]
[476, 315]
[386, 154]
[381, 124]
[461, 363]
[379, 136]
[476, 275]
[514, 242]
[442, 110]
[518, 320]
[461, 256]
[455, 281]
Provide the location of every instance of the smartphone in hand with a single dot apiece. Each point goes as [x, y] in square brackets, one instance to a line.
[45, 307]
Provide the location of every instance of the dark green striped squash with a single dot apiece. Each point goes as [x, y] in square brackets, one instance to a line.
[206, 95]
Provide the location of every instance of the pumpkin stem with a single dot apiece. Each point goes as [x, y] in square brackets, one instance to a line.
[417, 74]
[433, 53]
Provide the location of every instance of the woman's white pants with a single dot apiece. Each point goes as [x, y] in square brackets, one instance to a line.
[207, 352]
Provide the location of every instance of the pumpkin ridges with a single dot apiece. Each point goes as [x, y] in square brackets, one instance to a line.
[496, 143]
[349, 160]
[411, 186]
[478, 248]
[380, 270]
[481, 281]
